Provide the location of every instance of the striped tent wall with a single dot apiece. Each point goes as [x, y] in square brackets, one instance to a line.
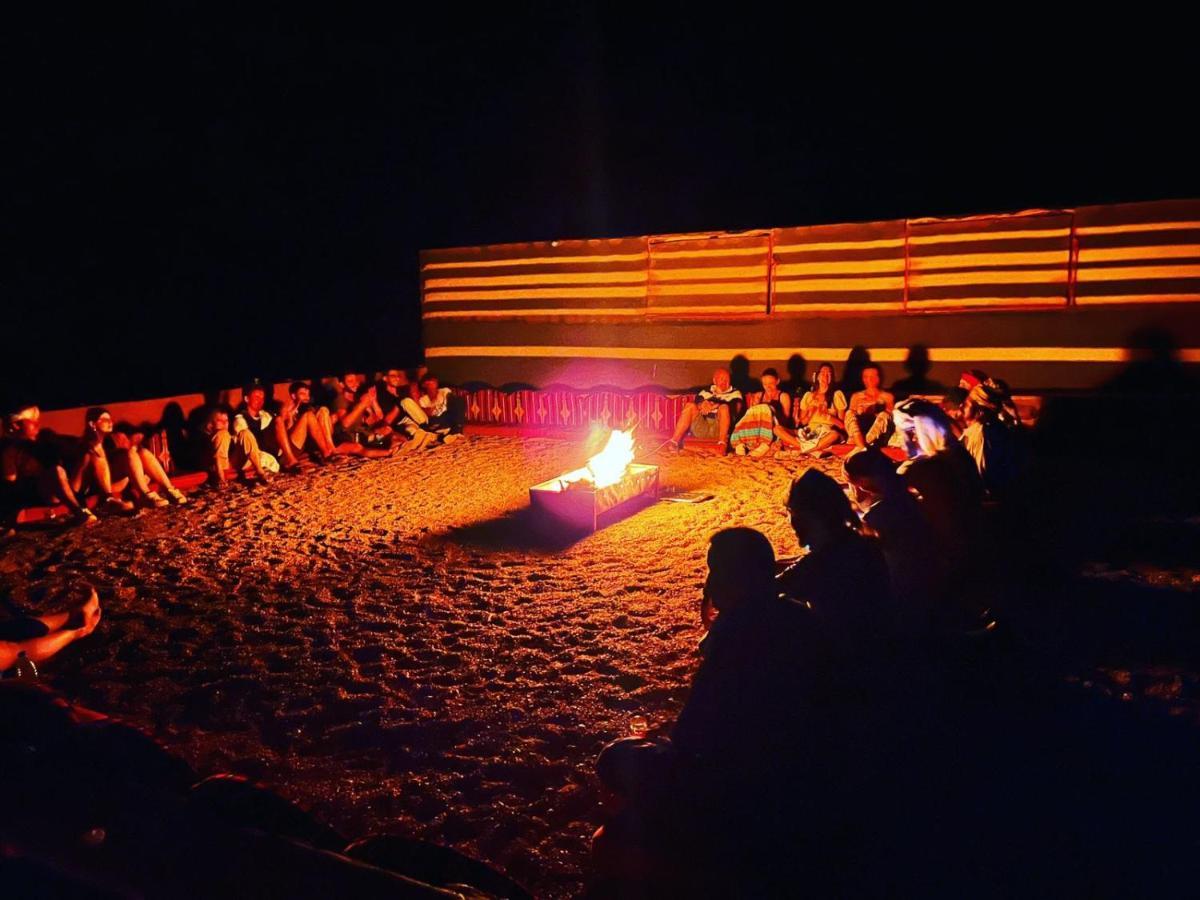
[839, 269]
[1045, 298]
[1138, 253]
[544, 280]
[989, 262]
[717, 275]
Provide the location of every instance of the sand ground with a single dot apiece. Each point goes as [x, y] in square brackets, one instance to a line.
[393, 645]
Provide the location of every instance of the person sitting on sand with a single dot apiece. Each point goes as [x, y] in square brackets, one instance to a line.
[269, 431]
[767, 418]
[234, 455]
[112, 463]
[991, 432]
[869, 417]
[438, 410]
[38, 638]
[737, 745]
[844, 575]
[820, 417]
[32, 472]
[916, 567]
[710, 415]
[325, 432]
[944, 477]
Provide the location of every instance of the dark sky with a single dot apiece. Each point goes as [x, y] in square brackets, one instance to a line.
[198, 200]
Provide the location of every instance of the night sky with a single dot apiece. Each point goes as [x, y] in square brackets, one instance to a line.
[199, 199]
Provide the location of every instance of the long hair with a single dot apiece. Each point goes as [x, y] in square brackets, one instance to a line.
[826, 395]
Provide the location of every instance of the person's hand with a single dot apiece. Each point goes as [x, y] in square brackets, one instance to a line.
[91, 614]
[708, 407]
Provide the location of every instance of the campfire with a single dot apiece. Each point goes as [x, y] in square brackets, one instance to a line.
[609, 479]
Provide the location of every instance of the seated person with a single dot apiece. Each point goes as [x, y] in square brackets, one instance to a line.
[32, 471]
[389, 392]
[308, 427]
[944, 477]
[437, 409]
[269, 431]
[916, 566]
[710, 415]
[39, 637]
[234, 455]
[737, 746]
[359, 419]
[820, 415]
[844, 576]
[869, 417]
[991, 432]
[112, 463]
[768, 413]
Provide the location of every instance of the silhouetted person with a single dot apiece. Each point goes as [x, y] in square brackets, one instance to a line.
[945, 479]
[844, 576]
[916, 565]
[737, 747]
[917, 365]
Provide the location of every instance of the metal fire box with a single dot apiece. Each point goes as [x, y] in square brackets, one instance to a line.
[580, 503]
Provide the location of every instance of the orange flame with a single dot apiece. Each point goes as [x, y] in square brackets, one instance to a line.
[608, 466]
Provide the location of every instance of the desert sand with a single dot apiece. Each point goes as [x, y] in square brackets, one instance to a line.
[395, 647]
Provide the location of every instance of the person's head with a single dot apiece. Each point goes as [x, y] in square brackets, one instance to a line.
[770, 380]
[25, 423]
[218, 420]
[98, 422]
[954, 404]
[818, 509]
[926, 428]
[871, 475]
[429, 384]
[970, 378]
[254, 396]
[301, 392]
[872, 376]
[352, 381]
[741, 566]
[395, 379]
[721, 379]
[419, 372]
[823, 378]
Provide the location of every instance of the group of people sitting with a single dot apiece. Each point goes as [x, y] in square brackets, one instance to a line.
[770, 421]
[347, 416]
[894, 560]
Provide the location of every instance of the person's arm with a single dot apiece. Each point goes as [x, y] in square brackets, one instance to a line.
[39, 649]
[804, 416]
[785, 404]
[8, 464]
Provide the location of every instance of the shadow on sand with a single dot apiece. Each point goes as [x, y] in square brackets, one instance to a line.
[529, 530]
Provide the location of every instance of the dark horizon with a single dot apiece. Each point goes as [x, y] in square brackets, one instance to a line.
[199, 202]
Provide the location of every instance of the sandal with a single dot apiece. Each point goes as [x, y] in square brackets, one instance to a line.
[155, 499]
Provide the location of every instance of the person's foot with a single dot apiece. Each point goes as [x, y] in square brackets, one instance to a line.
[84, 516]
[113, 503]
[452, 437]
[90, 612]
[177, 495]
[760, 450]
[818, 453]
[155, 499]
[722, 448]
[740, 449]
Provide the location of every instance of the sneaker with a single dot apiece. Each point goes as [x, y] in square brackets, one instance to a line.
[115, 504]
[178, 496]
[155, 499]
[84, 517]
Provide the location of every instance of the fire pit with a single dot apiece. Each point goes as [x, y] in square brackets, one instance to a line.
[609, 480]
